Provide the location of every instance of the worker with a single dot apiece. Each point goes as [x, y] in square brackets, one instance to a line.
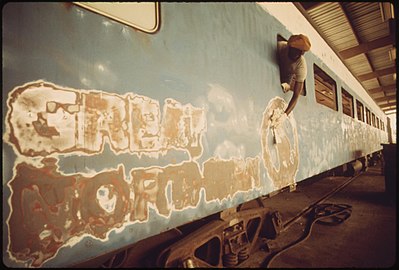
[293, 69]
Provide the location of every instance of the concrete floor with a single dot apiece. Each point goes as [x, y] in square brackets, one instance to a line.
[367, 239]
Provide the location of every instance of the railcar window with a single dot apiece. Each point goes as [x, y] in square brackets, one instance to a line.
[280, 38]
[303, 93]
[368, 116]
[325, 87]
[377, 121]
[373, 119]
[141, 15]
[347, 103]
[360, 110]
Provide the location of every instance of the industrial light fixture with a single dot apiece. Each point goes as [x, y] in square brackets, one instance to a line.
[387, 11]
[392, 54]
[390, 111]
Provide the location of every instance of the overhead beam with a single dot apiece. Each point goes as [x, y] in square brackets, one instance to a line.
[349, 20]
[390, 111]
[386, 89]
[381, 99]
[309, 5]
[366, 47]
[388, 105]
[376, 74]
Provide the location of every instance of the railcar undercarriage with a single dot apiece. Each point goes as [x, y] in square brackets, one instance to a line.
[224, 239]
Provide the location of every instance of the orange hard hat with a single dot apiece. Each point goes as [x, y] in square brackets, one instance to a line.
[300, 42]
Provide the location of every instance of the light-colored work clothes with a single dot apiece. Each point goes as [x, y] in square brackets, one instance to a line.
[290, 71]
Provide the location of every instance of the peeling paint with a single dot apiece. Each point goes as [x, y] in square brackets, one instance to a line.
[45, 119]
[63, 208]
[59, 207]
[283, 165]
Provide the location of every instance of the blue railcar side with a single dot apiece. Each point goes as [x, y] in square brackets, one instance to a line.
[112, 135]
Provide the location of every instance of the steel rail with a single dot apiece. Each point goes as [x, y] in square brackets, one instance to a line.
[322, 199]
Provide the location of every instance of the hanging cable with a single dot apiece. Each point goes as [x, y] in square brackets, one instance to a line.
[326, 214]
[322, 199]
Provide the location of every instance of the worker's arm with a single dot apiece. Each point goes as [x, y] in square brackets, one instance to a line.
[297, 91]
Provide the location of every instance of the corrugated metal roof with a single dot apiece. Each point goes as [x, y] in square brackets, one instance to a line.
[361, 37]
[359, 64]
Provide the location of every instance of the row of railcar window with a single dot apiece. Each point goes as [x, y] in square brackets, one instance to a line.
[326, 94]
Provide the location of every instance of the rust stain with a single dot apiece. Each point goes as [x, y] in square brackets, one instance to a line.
[228, 176]
[104, 116]
[49, 210]
[182, 126]
[144, 124]
[42, 128]
[46, 119]
[54, 208]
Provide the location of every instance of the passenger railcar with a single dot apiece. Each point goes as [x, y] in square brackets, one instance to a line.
[117, 131]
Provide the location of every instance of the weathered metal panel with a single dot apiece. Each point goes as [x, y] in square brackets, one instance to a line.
[331, 20]
[380, 58]
[367, 20]
[112, 135]
[370, 84]
[359, 64]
